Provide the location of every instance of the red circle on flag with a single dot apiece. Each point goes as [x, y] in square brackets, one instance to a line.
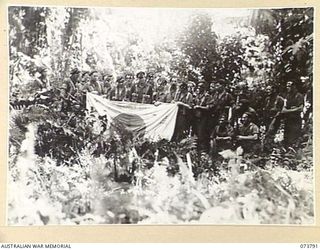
[131, 123]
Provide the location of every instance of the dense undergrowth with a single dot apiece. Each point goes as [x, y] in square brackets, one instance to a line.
[126, 181]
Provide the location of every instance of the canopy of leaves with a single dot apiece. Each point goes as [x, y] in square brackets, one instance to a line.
[291, 40]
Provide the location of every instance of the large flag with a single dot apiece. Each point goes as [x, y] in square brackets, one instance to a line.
[148, 120]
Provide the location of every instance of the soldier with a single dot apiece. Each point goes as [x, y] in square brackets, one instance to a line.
[201, 111]
[192, 91]
[141, 92]
[85, 82]
[147, 96]
[257, 101]
[107, 84]
[271, 108]
[220, 103]
[240, 108]
[69, 89]
[95, 83]
[172, 92]
[129, 78]
[225, 99]
[118, 93]
[291, 114]
[248, 134]
[85, 79]
[72, 83]
[222, 135]
[84, 87]
[184, 100]
[191, 88]
[38, 85]
[243, 91]
[162, 93]
[173, 80]
[137, 85]
[150, 79]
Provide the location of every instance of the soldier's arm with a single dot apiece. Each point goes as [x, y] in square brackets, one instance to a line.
[248, 137]
[206, 105]
[190, 100]
[254, 134]
[183, 104]
[296, 108]
[292, 110]
[223, 138]
[202, 107]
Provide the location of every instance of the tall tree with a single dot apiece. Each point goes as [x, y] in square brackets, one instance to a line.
[199, 43]
[71, 39]
[231, 59]
[28, 29]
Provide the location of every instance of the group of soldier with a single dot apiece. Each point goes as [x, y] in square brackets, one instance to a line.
[219, 114]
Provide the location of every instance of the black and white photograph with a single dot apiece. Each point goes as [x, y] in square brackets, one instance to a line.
[160, 116]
